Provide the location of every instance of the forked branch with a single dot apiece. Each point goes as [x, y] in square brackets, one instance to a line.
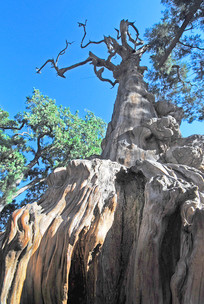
[124, 50]
[134, 41]
[60, 72]
[90, 42]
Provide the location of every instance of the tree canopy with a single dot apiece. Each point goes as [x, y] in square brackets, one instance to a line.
[43, 137]
[176, 46]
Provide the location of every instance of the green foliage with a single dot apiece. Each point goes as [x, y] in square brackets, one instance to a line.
[40, 139]
[180, 78]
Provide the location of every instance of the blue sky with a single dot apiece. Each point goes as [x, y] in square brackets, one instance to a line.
[33, 31]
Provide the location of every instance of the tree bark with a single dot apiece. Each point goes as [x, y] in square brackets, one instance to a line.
[125, 228]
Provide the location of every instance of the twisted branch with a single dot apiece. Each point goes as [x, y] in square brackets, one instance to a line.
[134, 41]
[124, 50]
[99, 75]
[60, 72]
[90, 42]
[55, 62]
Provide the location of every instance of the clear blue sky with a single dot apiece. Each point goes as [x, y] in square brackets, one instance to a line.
[33, 31]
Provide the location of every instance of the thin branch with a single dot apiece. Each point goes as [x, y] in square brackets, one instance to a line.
[38, 70]
[39, 148]
[118, 34]
[22, 134]
[13, 128]
[191, 46]
[112, 54]
[55, 62]
[134, 41]
[60, 72]
[62, 52]
[90, 42]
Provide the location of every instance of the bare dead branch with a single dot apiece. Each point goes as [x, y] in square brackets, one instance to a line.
[99, 75]
[142, 50]
[124, 33]
[55, 62]
[134, 41]
[38, 70]
[62, 52]
[118, 34]
[114, 46]
[124, 50]
[99, 62]
[62, 71]
[112, 54]
[36, 181]
[132, 24]
[189, 29]
[90, 42]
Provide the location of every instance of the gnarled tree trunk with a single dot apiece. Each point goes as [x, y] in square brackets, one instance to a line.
[125, 228]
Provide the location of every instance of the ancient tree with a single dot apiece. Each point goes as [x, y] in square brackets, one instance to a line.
[122, 227]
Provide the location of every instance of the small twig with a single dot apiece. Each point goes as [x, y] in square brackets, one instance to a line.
[118, 34]
[62, 52]
[55, 62]
[60, 72]
[90, 42]
[191, 46]
[38, 70]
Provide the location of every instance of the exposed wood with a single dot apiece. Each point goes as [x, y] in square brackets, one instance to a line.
[124, 228]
